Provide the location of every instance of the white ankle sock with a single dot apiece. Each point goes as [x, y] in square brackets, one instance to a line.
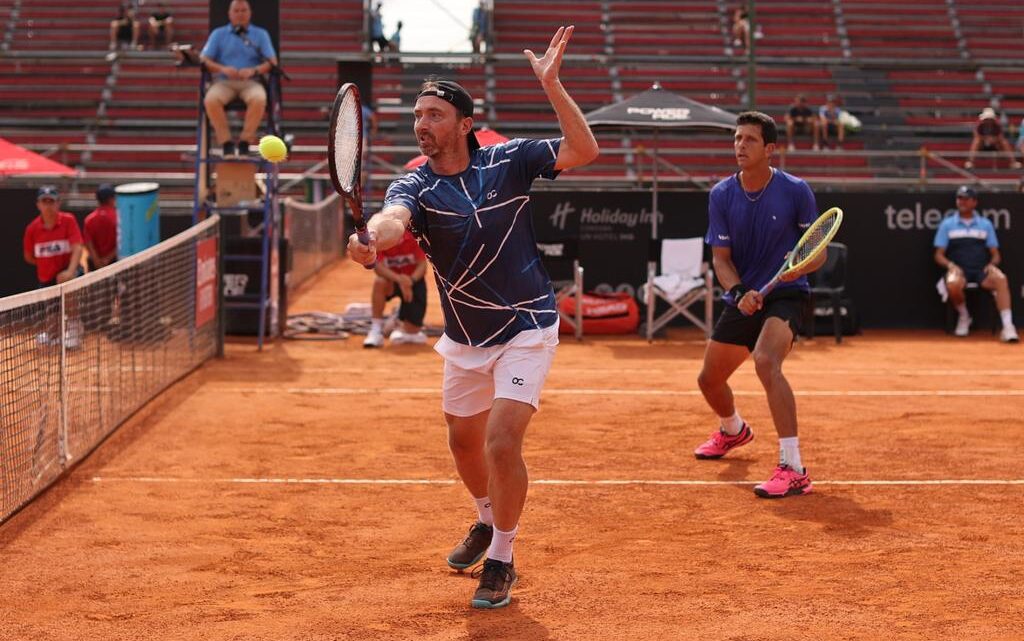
[962, 310]
[732, 425]
[483, 510]
[501, 545]
[1007, 316]
[377, 324]
[789, 453]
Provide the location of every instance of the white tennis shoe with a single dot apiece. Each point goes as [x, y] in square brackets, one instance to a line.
[1009, 334]
[963, 326]
[398, 337]
[375, 338]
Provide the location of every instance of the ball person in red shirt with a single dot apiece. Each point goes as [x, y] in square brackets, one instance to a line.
[53, 243]
[101, 229]
[400, 272]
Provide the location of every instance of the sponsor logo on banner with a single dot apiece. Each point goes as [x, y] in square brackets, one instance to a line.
[919, 217]
[206, 281]
[604, 223]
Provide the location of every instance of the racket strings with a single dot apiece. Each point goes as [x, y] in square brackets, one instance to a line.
[347, 135]
[819, 235]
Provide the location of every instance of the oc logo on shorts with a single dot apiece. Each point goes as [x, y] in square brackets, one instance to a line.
[518, 381]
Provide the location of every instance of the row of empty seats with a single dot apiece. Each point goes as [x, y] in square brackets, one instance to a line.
[142, 101]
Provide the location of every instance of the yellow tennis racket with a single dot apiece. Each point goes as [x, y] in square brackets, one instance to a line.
[811, 244]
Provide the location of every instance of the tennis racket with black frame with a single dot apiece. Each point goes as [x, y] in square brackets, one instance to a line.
[345, 154]
[814, 241]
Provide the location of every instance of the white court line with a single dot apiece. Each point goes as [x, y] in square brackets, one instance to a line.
[377, 391]
[596, 482]
[801, 371]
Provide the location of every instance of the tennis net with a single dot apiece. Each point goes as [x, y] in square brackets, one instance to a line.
[78, 359]
[315, 236]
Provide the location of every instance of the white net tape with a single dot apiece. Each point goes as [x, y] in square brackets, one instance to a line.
[315, 236]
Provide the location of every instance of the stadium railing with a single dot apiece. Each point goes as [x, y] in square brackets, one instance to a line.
[78, 359]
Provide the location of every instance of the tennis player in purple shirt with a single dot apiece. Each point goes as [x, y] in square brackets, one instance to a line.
[755, 217]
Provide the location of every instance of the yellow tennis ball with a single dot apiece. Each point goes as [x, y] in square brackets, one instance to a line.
[273, 148]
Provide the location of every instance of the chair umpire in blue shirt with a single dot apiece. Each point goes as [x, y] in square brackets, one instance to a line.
[237, 54]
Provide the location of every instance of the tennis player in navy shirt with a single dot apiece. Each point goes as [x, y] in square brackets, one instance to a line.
[755, 217]
[470, 210]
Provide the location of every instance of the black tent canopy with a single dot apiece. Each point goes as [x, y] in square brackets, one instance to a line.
[658, 109]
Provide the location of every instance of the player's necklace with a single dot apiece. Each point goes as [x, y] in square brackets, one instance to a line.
[762, 190]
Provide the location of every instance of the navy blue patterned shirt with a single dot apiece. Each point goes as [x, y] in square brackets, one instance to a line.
[477, 230]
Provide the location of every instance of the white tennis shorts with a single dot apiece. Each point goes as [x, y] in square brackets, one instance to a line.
[475, 376]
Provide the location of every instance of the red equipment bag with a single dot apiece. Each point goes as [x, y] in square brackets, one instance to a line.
[603, 313]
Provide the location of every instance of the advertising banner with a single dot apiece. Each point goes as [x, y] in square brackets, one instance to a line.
[891, 270]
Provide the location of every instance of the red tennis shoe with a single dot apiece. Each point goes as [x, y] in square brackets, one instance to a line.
[785, 481]
[720, 443]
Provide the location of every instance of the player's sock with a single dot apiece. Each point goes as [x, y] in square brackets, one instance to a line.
[1007, 316]
[732, 425]
[501, 545]
[789, 453]
[483, 509]
[377, 324]
[962, 310]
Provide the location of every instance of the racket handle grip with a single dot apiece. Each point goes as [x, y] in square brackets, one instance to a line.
[764, 291]
[769, 286]
[364, 238]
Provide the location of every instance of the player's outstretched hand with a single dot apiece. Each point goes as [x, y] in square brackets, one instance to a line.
[360, 253]
[547, 66]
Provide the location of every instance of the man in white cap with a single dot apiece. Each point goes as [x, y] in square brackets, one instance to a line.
[988, 136]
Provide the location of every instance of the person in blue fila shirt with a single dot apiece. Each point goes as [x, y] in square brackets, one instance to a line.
[967, 248]
[470, 210]
[755, 218]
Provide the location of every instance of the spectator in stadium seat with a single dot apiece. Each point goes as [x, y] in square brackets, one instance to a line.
[237, 54]
[161, 25]
[377, 30]
[53, 243]
[395, 43]
[829, 123]
[100, 231]
[125, 28]
[1020, 137]
[741, 29]
[400, 271]
[801, 119]
[469, 208]
[478, 27]
[988, 136]
[967, 248]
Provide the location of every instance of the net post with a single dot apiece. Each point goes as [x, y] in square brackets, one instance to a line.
[221, 318]
[62, 427]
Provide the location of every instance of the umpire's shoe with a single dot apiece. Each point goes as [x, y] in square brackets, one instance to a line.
[496, 581]
[472, 548]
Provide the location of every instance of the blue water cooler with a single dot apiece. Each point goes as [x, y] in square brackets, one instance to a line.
[138, 217]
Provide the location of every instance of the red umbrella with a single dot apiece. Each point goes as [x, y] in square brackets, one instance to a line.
[484, 136]
[17, 161]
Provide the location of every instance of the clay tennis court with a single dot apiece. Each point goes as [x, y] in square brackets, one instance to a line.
[306, 492]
